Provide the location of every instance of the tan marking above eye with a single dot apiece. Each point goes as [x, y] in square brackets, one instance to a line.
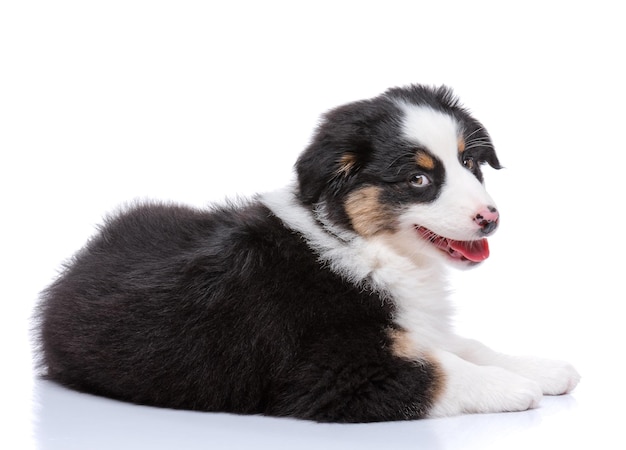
[461, 144]
[346, 164]
[424, 160]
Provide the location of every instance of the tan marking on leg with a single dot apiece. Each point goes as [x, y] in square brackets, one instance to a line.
[367, 214]
[438, 386]
[424, 160]
[403, 347]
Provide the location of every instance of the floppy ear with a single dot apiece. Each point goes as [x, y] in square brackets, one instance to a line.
[339, 149]
[492, 159]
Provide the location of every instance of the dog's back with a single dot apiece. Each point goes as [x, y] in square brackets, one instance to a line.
[223, 310]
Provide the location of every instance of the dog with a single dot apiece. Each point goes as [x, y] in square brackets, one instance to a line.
[325, 300]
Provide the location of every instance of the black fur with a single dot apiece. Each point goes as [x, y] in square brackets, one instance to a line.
[227, 309]
[370, 131]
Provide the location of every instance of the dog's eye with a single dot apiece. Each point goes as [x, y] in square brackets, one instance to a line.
[419, 180]
[469, 163]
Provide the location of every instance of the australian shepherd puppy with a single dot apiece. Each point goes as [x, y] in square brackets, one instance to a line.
[325, 300]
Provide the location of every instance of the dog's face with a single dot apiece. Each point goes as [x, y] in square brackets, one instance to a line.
[405, 166]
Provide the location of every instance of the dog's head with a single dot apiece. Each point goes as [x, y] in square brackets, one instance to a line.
[405, 166]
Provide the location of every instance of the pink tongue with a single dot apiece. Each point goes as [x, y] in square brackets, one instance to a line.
[473, 250]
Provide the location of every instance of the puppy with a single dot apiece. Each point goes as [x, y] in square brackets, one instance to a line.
[324, 301]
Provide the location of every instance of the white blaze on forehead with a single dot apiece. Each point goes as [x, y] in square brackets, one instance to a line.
[436, 131]
[462, 195]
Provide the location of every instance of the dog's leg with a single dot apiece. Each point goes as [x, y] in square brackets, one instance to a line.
[554, 377]
[470, 388]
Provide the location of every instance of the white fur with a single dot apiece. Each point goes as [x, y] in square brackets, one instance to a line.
[411, 272]
[433, 129]
[479, 379]
[470, 388]
[462, 195]
[516, 382]
[342, 251]
[553, 377]
[375, 261]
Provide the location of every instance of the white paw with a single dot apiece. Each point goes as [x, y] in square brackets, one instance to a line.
[470, 388]
[554, 377]
[503, 391]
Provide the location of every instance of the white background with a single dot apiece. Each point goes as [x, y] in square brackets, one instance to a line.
[105, 102]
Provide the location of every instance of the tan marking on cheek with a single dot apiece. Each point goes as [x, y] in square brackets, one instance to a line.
[424, 160]
[461, 144]
[367, 214]
[346, 164]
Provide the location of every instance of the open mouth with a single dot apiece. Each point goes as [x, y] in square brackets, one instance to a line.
[473, 251]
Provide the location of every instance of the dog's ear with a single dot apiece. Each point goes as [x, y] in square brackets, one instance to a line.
[341, 146]
[492, 159]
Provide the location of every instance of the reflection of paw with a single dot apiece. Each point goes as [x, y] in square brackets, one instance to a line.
[554, 377]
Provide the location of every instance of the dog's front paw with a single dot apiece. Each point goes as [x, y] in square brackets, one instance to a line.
[505, 391]
[554, 377]
[488, 389]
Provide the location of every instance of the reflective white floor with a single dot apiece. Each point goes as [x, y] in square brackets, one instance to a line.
[42, 415]
[66, 420]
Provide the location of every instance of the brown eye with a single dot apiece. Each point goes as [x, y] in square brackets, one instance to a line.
[469, 163]
[419, 181]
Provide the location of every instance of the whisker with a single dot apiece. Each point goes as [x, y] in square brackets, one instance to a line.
[406, 154]
[479, 144]
[473, 133]
[484, 142]
[479, 139]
